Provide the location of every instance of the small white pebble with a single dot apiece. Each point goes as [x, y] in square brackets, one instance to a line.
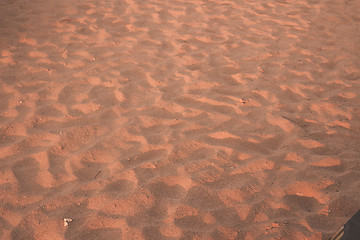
[67, 221]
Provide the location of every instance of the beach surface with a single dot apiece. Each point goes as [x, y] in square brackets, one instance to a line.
[184, 119]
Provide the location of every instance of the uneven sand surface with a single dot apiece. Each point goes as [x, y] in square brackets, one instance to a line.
[182, 119]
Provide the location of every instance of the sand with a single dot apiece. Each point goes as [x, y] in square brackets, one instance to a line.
[201, 119]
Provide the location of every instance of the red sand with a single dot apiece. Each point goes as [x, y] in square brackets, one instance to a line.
[234, 119]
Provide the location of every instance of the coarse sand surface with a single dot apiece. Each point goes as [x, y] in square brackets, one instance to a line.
[181, 119]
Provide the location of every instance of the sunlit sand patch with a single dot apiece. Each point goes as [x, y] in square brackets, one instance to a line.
[268, 96]
[102, 35]
[251, 102]
[209, 219]
[124, 137]
[219, 118]
[331, 131]
[156, 18]
[35, 70]
[243, 210]
[6, 54]
[149, 165]
[243, 156]
[348, 95]
[265, 136]
[310, 189]
[327, 162]
[87, 107]
[174, 108]
[283, 123]
[223, 134]
[45, 61]
[302, 74]
[185, 210]
[7, 176]
[255, 166]
[37, 54]
[340, 124]
[42, 159]
[45, 179]
[286, 169]
[10, 113]
[91, 11]
[201, 85]
[132, 28]
[200, 165]
[308, 87]
[239, 78]
[153, 81]
[73, 64]
[309, 143]
[29, 41]
[11, 217]
[7, 60]
[311, 120]
[83, 53]
[294, 157]
[65, 27]
[256, 45]
[218, 104]
[14, 129]
[211, 175]
[186, 148]
[183, 179]
[253, 140]
[94, 80]
[337, 81]
[119, 96]
[293, 89]
[331, 109]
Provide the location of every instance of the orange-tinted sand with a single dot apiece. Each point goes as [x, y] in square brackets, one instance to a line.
[191, 119]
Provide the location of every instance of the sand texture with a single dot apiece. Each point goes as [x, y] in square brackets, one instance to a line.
[181, 119]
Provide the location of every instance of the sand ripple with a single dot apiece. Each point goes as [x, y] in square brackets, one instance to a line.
[178, 119]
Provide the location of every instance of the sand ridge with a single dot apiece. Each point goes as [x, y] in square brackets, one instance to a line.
[178, 119]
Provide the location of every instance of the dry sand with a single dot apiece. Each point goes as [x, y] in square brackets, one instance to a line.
[184, 119]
